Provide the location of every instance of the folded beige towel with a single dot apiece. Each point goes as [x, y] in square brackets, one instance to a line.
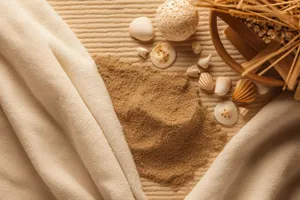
[261, 162]
[59, 135]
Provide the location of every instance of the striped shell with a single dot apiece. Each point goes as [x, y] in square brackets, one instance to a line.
[244, 92]
[206, 82]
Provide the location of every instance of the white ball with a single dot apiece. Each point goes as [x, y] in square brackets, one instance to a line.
[177, 20]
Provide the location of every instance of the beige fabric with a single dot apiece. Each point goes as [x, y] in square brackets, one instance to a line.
[261, 161]
[59, 135]
[102, 27]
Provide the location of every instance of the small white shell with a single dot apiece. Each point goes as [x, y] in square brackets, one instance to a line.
[142, 29]
[163, 55]
[196, 46]
[142, 52]
[243, 111]
[204, 62]
[261, 88]
[206, 82]
[223, 85]
[193, 71]
[226, 113]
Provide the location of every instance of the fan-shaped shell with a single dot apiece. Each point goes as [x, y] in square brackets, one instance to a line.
[206, 81]
[245, 91]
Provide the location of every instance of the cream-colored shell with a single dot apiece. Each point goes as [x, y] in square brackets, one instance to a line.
[204, 62]
[177, 20]
[142, 52]
[223, 85]
[245, 91]
[261, 88]
[206, 82]
[163, 55]
[196, 46]
[141, 28]
[226, 113]
[243, 111]
[193, 71]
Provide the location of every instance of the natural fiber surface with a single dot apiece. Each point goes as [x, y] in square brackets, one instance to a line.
[102, 26]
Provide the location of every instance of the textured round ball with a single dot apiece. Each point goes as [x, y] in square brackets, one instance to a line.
[177, 20]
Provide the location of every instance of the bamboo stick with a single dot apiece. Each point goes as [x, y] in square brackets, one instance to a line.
[278, 60]
[268, 57]
[251, 65]
[297, 93]
[294, 76]
[292, 68]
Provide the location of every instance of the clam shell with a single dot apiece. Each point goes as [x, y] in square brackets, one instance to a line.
[223, 85]
[193, 71]
[206, 82]
[142, 52]
[244, 92]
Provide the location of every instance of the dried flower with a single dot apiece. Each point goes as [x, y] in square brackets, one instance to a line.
[256, 28]
[277, 27]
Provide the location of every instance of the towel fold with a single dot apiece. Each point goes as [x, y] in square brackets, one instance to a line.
[59, 135]
[261, 161]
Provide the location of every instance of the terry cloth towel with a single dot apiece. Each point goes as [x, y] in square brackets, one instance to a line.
[59, 135]
[262, 162]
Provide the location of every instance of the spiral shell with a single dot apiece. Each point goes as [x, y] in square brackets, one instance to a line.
[206, 82]
[244, 92]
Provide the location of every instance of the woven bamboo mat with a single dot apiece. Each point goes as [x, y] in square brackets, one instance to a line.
[102, 27]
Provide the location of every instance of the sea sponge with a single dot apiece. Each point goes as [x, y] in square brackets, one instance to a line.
[177, 20]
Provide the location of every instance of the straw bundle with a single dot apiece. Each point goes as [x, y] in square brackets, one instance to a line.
[283, 13]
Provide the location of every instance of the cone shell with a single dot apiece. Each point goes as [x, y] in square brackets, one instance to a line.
[206, 82]
[245, 91]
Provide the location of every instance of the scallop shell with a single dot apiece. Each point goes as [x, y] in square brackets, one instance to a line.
[244, 92]
[206, 82]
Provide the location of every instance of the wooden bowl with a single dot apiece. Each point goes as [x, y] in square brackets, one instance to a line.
[271, 81]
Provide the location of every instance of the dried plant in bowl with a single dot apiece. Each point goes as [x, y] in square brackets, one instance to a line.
[268, 34]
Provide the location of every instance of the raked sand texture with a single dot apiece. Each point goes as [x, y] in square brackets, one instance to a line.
[102, 27]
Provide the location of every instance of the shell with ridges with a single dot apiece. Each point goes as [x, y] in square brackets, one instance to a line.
[206, 81]
[244, 92]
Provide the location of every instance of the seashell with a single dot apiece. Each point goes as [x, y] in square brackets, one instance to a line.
[193, 71]
[141, 28]
[243, 111]
[204, 62]
[223, 85]
[206, 81]
[226, 113]
[142, 52]
[177, 20]
[163, 55]
[261, 88]
[244, 92]
[196, 46]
